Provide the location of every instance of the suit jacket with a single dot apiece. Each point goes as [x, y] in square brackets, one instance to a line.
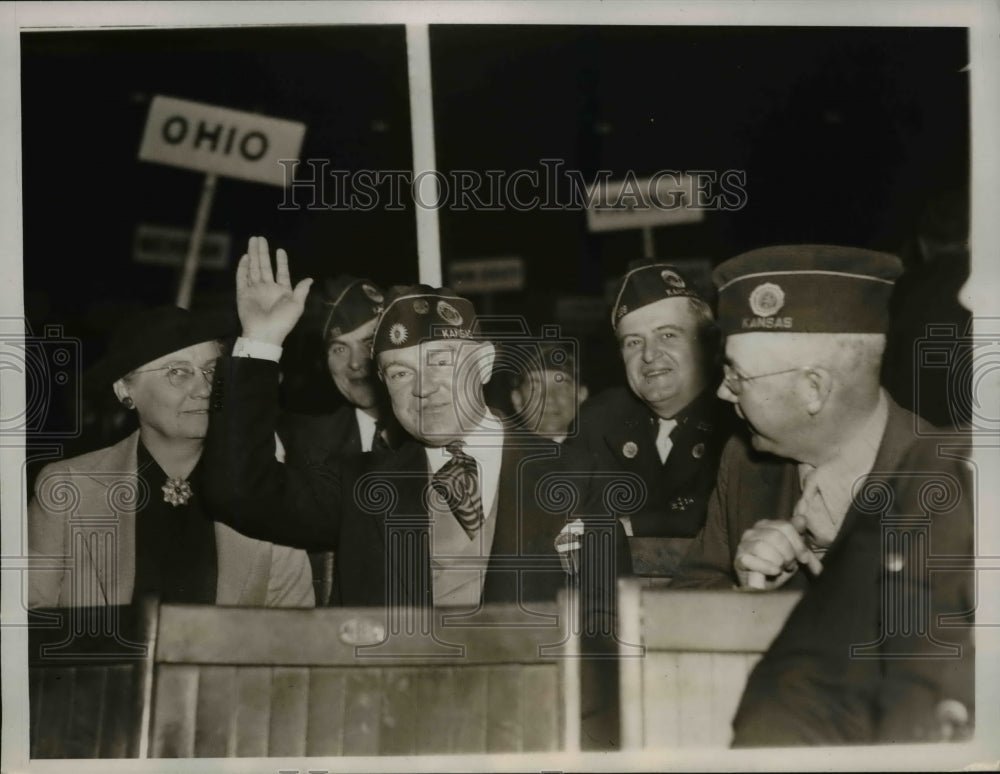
[618, 433]
[311, 439]
[81, 525]
[866, 655]
[369, 509]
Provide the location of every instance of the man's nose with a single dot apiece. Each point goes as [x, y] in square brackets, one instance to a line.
[359, 358]
[426, 383]
[650, 351]
[725, 393]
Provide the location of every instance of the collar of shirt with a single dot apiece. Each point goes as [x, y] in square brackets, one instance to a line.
[854, 460]
[366, 428]
[485, 445]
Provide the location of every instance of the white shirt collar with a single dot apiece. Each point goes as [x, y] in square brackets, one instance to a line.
[366, 427]
[485, 445]
[854, 460]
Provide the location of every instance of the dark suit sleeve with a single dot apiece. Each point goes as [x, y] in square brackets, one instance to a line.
[245, 486]
[913, 687]
[708, 562]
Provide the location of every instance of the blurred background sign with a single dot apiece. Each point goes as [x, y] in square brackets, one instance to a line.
[168, 245]
[487, 275]
[226, 142]
[662, 200]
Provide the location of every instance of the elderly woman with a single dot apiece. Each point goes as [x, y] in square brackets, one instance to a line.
[108, 527]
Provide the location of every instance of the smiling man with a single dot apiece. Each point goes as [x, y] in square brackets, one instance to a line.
[350, 307]
[844, 495]
[458, 498]
[668, 427]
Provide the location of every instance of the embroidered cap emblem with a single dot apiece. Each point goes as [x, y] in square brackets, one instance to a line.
[398, 334]
[420, 306]
[767, 299]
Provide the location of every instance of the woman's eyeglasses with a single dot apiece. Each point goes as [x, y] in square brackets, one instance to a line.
[181, 375]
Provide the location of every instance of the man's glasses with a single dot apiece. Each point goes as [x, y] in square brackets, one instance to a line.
[181, 375]
[734, 380]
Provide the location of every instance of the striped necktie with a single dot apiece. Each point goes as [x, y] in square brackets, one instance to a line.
[457, 482]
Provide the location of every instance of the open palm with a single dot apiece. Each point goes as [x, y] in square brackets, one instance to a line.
[268, 305]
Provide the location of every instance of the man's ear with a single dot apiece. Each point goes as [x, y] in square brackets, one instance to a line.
[121, 390]
[582, 393]
[817, 383]
[516, 399]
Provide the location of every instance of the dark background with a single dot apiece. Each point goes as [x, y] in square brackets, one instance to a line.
[849, 135]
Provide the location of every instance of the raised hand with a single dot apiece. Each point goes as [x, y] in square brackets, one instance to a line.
[268, 305]
[769, 554]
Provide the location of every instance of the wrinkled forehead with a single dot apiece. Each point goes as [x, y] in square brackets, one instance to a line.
[674, 311]
[196, 355]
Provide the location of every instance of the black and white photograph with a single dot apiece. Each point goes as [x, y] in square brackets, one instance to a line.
[488, 386]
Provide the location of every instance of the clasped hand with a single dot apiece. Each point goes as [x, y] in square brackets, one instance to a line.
[770, 553]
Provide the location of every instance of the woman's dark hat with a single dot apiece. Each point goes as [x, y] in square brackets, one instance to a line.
[153, 333]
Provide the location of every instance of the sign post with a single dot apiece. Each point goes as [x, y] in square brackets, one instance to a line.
[194, 248]
[216, 141]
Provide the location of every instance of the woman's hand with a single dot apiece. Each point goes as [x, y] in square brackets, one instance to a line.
[267, 304]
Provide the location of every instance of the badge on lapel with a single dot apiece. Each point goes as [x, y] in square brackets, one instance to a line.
[698, 451]
[630, 449]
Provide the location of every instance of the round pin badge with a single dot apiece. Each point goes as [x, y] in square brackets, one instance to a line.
[630, 449]
[372, 292]
[698, 451]
[448, 313]
[672, 280]
[420, 306]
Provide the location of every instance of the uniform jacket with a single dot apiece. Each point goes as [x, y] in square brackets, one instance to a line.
[81, 525]
[618, 433]
[865, 655]
[368, 509]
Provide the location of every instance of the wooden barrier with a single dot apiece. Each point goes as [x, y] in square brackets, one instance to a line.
[88, 678]
[698, 650]
[261, 682]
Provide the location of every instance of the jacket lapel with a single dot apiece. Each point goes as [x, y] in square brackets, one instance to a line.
[896, 441]
[115, 468]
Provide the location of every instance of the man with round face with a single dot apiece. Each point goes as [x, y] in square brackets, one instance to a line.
[547, 392]
[348, 310]
[667, 426]
[455, 498]
[824, 497]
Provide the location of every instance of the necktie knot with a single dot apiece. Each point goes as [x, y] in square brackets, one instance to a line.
[379, 442]
[457, 483]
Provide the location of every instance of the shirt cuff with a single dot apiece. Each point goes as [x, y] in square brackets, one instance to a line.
[258, 349]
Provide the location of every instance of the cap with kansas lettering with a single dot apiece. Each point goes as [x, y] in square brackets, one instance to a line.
[348, 303]
[417, 313]
[645, 283]
[806, 289]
